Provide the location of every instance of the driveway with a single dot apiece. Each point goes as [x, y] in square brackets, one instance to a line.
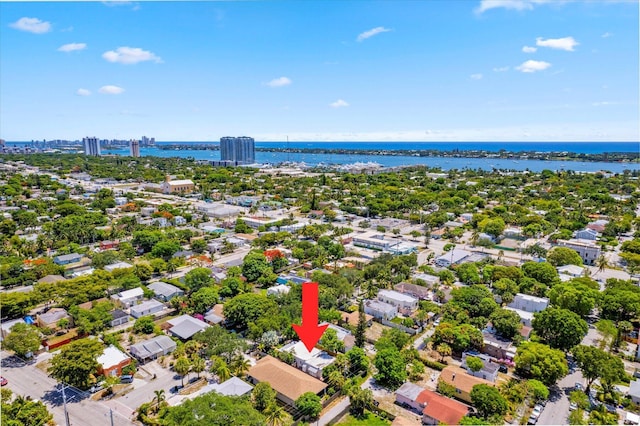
[27, 380]
[143, 390]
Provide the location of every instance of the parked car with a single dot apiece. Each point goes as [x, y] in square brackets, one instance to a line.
[537, 410]
[126, 379]
[579, 386]
[573, 406]
[3, 381]
[532, 420]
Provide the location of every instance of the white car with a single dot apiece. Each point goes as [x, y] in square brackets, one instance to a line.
[573, 406]
[537, 410]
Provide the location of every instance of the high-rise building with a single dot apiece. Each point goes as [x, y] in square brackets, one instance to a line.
[134, 147]
[91, 146]
[240, 150]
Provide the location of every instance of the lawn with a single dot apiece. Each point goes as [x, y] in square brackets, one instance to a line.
[370, 420]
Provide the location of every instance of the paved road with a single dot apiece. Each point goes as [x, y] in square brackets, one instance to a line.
[418, 343]
[556, 411]
[337, 410]
[27, 380]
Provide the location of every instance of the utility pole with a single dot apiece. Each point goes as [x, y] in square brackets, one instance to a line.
[64, 401]
[111, 415]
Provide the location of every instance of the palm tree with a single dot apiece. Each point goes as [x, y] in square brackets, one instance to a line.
[601, 263]
[159, 398]
[275, 415]
[240, 366]
[336, 380]
[197, 365]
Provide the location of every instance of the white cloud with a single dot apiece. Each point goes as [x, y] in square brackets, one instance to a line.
[529, 49]
[72, 47]
[130, 55]
[501, 69]
[606, 35]
[31, 25]
[279, 82]
[604, 103]
[374, 31]
[476, 76]
[111, 90]
[508, 4]
[83, 92]
[565, 43]
[533, 66]
[339, 104]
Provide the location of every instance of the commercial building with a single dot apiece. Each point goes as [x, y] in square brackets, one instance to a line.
[181, 186]
[587, 249]
[91, 146]
[239, 150]
[134, 147]
[454, 257]
[376, 241]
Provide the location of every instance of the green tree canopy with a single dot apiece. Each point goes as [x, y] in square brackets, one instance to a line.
[229, 411]
[560, 328]
[198, 278]
[488, 401]
[539, 361]
[309, 404]
[578, 295]
[506, 322]
[249, 307]
[391, 367]
[76, 362]
[263, 396]
[559, 256]
[22, 339]
[598, 364]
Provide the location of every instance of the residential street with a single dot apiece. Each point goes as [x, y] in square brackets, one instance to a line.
[556, 411]
[27, 380]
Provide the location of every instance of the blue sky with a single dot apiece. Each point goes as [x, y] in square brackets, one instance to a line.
[517, 70]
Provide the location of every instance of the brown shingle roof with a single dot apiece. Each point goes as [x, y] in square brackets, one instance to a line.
[444, 410]
[284, 378]
[462, 380]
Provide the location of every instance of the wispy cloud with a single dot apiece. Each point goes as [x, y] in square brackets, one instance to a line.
[606, 35]
[279, 82]
[508, 4]
[31, 25]
[83, 92]
[565, 43]
[130, 55]
[604, 103]
[370, 33]
[111, 90]
[529, 49]
[501, 69]
[476, 76]
[71, 47]
[533, 66]
[339, 104]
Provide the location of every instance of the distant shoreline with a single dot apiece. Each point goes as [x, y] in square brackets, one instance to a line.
[606, 157]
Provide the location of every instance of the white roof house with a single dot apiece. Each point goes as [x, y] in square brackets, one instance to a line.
[128, 297]
[118, 265]
[452, 257]
[403, 302]
[164, 291]
[312, 362]
[148, 307]
[278, 290]
[111, 357]
[571, 270]
[529, 303]
[380, 310]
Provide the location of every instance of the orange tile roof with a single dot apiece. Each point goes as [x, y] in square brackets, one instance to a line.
[285, 379]
[444, 410]
[462, 380]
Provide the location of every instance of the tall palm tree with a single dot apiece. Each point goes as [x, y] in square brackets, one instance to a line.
[336, 380]
[223, 372]
[601, 263]
[197, 365]
[275, 415]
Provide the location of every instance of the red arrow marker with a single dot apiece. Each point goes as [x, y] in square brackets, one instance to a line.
[309, 332]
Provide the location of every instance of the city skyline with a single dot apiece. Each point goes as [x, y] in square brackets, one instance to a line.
[513, 70]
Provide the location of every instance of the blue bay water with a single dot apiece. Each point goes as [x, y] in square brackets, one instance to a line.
[445, 163]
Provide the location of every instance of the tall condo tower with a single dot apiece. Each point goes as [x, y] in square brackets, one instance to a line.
[91, 146]
[134, 147]
[240, 150]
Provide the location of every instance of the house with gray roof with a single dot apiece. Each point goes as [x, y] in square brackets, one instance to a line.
[153, 348]
[148, 307]
[164, 291]
[65, 259]
[185, 326]
[380, 310]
